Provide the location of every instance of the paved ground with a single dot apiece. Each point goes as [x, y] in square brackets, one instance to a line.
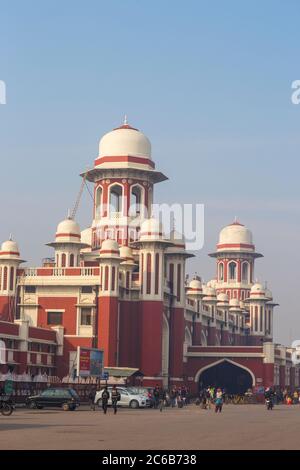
[238, 427]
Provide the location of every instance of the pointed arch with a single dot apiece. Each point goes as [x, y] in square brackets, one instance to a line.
[199, 372]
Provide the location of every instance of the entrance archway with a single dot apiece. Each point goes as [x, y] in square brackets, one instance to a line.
[232, 377]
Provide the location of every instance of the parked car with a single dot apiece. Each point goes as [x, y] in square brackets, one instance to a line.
[148, 392]
[65, 398]
[128, 398]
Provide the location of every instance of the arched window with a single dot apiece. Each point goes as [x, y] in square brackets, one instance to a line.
[106, 278]
[5, 278]
[135, 201]
[113, 278]
[221, 272]
[98, 201]
[245, 272]
[178, 282]
[157, 273]
[11, 278]
[63, 260]
[148, 272]
[71, 260]
[115, 198]
[232, 271]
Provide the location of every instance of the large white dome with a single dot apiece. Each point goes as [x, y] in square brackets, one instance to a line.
[235, 233]
[125, 141]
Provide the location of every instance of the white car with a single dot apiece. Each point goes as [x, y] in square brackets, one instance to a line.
[128, 398]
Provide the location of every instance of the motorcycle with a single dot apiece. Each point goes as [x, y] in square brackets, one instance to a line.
[6, 406]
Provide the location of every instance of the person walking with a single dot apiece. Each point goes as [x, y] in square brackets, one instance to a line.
[92, 395]
[219, 401]
[162, 398]
[173, 396]
[115, 397]
[156, 396]
[105, 398]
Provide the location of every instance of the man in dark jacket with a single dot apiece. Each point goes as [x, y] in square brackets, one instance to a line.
[105, 398]
[92, 395]
[115, 397]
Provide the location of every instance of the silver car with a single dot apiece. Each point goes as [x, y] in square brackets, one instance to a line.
[129, 398]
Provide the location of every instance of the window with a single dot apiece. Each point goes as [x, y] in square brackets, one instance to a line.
[232, 271]
[63, 260]
[221, 272]
[87, 290]
[54, 318]
[115, 198]
[71, 260]
[98, 202]
[135, 201]
[30, 289]
[11, 278]
[245, 272]
[86, 316]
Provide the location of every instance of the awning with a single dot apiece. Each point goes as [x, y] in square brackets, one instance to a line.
[122, 371]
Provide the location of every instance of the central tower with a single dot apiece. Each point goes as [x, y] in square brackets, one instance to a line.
[123, 177]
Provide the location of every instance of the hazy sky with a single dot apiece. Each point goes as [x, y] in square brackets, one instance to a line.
[209, 82]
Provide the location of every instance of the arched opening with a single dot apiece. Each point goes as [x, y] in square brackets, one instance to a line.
[188, 341]
[98, 200]
[221, 272]
[232, 377]
[136, 201]
[115, 198]
[232, 271]
[245, 271]
[165, 352]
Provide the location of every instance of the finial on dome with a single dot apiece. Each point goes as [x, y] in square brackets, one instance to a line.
[125, 123]
[69, 216]
[10, 237]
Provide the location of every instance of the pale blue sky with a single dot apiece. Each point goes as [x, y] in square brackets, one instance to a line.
[209, 82]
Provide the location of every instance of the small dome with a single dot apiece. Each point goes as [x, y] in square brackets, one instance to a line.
[223, 298]
[234, 303]
[257, 291]
[10, 250]
[126, 254]
[68, 231]
[109, 249]
[236, 235]
[151, 229]
[125, 141]
[210, 293]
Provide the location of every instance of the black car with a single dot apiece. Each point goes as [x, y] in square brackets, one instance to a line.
[65, 398]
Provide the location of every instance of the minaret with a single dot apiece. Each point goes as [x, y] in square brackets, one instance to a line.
[176, 256]
[123, 175]
[154, 324]
[9, 263]
[210, 300]
[67, 244]
[194, 293]
[108, 303]
[235, 261]
[257, 303]
[223, 308]
[129, 312]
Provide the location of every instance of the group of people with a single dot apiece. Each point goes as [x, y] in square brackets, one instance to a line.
[283, 396]
[114, 395]
[173, 397]
[212, 396]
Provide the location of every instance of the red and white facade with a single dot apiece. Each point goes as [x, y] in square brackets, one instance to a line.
[119, 285]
